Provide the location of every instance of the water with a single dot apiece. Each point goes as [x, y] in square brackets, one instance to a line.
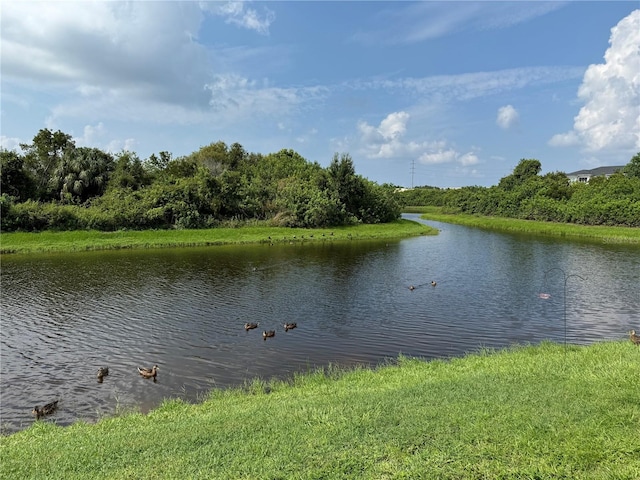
[65, 315]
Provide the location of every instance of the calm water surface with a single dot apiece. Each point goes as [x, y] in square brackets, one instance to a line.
[65, 315]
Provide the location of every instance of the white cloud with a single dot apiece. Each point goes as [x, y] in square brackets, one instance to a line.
[469, 158]
[240, 97]
[507, 117]
[610, 117]
[394, 125]
[568, 139]
[467, 86]
[90, 135]
[440, 153]
[127, 145]
[104, 48]
[236, 13]
[94, 136]
[440, 156]
[135, 61]
[387, 141]
[10, 143]
[420, 21]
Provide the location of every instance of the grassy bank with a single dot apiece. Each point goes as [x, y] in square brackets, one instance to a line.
[596, 233]
[82, 240]
[528, 412]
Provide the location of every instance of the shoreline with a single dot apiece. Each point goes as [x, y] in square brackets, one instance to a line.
[597, 233]
[91, 240]
[543, 411]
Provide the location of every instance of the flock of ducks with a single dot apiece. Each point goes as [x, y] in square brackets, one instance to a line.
[152, 372]
[50, 408]
[413, 287]
[269, 333]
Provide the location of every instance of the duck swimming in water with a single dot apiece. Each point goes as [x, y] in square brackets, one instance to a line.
[290, 326]
[48, 409]
[270, 333]
[102, 372]
[148, 372]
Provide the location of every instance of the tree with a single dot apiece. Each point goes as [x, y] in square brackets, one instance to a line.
[236, 155]
[215, 157]
[345, 184]
[128, 172]
[155, 165]
[555, 185]
[632, 169]
[81, 174]
[43, 155]
[16, 181]
[526, 169]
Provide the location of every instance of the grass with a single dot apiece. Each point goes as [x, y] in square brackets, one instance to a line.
[83, 240]
[594, 233]
[543, 412]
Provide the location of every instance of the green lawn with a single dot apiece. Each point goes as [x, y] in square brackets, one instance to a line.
[602, 234]
[539, 412]
[83, 240]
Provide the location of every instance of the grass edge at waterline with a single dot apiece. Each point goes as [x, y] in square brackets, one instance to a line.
[87, 240]
[542, 411]
[599, 233]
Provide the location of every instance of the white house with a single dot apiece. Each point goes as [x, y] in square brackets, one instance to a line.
[585, 175]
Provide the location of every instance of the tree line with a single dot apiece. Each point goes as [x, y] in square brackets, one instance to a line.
[53, 184]
[526, 194]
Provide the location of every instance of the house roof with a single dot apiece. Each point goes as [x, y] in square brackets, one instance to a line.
[594, 172]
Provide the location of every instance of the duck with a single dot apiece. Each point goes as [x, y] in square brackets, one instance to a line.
[411, 287]
[102, 372]
[290, 326]
[250, 326]
[634, 338]
[270, 333]
[433, 283]
[148, 372]
[48, 409]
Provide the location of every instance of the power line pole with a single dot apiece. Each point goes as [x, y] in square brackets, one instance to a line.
[413, 170]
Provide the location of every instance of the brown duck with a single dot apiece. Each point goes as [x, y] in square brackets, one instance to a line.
[48, 409]
[634, 338]
[148, 372]
[250, 326]
[290, 326]
[268, 333]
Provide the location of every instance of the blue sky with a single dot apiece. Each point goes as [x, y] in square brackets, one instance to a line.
[418, 93]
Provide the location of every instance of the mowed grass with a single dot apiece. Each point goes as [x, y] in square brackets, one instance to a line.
[597, 233]
[543, 412]
[83, 240]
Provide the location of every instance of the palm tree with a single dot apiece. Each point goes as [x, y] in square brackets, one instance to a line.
[82, 173]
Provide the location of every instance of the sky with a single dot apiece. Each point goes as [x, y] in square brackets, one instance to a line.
[446, 94]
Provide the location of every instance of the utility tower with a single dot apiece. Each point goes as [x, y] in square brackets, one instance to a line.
[413, 170]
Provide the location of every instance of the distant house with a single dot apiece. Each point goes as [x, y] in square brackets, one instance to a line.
[585, 175]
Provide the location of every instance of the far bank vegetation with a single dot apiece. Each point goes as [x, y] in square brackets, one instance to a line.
[54, 185]
[527, 195]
